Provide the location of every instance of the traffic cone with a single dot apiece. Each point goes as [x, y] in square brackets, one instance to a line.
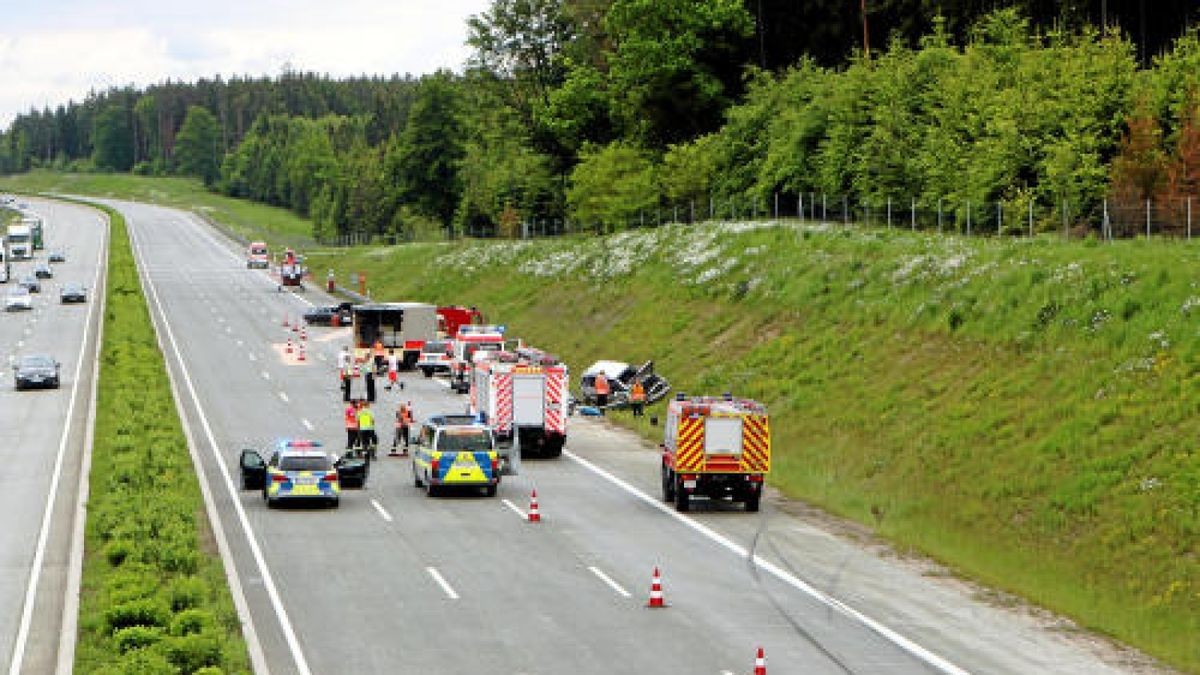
[289, 346]
[760, 663]
[300, 357]
[656, 592]
[534, 515]
[285, 320]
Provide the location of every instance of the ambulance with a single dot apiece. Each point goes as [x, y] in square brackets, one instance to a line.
[718, 448]
[468, 341]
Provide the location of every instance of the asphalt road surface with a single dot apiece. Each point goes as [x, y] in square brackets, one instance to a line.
[43, 443]
[395, 581]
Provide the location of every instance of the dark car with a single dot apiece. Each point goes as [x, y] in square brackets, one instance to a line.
[72, 292]
[43, 271]
[324, 316]
[36, 370]
[32, 283]
[57, 256]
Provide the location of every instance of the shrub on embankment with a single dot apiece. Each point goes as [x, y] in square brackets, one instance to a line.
[154, 597]
[1023, 410]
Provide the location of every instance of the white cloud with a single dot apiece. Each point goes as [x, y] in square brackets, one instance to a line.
[58, 50]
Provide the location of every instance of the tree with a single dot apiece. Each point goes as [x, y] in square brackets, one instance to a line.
[113, 138]
[424, 160]
[613, 186]
[197, 145]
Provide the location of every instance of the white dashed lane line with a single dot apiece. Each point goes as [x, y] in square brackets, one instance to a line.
[307, 425]
[609, 582]
[283, 397]
[516, 510]
[266, 375]
[437, 576]
[382, 512]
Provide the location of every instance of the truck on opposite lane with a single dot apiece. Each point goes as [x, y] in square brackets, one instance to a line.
[20, 241]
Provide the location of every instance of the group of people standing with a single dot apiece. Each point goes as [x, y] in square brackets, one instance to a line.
[358, 417]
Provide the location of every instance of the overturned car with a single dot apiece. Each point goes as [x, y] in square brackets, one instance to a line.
[621, 377]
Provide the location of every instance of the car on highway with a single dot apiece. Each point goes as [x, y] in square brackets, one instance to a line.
[57, 256]
[72, 292]
[436, 356]
[17, 299]
[36, 370]
[30, 282]
[301, 470]
[43, 271]
[455, 451]
[324, 315]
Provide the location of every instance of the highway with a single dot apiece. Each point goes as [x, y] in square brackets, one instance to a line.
[44, 436]
[395, 581]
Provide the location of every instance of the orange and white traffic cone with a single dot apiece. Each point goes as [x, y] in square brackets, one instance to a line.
[289, 346]
[534, 515]
[286, 323]
[300, 356]
[656, 592]
[760, 663]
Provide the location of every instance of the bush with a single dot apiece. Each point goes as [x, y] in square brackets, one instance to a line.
[195, 651]
[140, 662]
[191, 621]
[143, 612]
[186, 593]
[136, 637]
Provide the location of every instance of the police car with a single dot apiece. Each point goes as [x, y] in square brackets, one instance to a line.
[455, 451]
[301, 470]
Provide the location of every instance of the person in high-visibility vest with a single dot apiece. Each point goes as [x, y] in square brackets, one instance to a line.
[366, 429]
[404, 419]
[351, 418]
[602, 391]
[380, 354]
[637, 398]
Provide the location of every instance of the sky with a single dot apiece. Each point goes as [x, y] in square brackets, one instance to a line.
[54, 51]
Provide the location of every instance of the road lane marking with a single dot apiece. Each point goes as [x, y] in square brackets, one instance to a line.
[39, 554]
[437, 576]
[283, 397]
[779, 573]
[611, 584]
[382, 512]
[257, 656]
[251, 356]
[516, 510]
[266, 375]
[307, 425]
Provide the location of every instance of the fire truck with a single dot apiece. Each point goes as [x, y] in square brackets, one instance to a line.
[715, 447]
[522, 396]
[470, 340]
[401, 326]
[450, 317]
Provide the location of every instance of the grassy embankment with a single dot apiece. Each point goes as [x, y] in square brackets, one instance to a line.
[154, 596]
[1024, 411]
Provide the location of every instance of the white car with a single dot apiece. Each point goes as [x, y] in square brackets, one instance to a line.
[18, 298]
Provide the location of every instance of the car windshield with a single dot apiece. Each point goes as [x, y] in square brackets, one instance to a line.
[434, 347]
[304, 463]
[37, 362]
[464, 439]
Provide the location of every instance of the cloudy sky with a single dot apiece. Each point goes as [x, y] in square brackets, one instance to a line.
[52, 51]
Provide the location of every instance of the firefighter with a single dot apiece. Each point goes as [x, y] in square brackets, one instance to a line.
[369, 380]
[366, 429]
[345, 362]
[393, 368]
[403, 426]
[351, 418]
[637, 398]
[602, 391]
[380, 354]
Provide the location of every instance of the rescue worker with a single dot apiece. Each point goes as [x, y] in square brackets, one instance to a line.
[602, 391]
[345, 361]
[393, 368]
[403, 426]
[366, 430]
[351, 418]
[637, 398]
[369, 379]
[380, 354]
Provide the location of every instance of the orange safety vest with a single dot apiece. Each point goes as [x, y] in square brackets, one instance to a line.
[351, 418]
[379, 351]
[602, 385]
[637, 393]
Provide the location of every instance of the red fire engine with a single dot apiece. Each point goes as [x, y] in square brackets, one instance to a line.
[716, 447]
[522, 395]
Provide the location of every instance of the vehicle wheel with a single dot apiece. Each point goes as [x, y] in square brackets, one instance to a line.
[489, 491]
[668, 484]
[752, 501]
[427, 371]
[271, 503]
[682, 499]
[433, 490]
[333, 503]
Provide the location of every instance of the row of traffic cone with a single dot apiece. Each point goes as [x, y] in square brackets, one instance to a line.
[301, 341]
[656, 600]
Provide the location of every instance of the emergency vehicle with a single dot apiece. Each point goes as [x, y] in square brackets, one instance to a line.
[454, 450]
[257, 256]
[469, 340]
[450, 317]
[5, 265]
[715, 447]
[522, 396]
[401, 326]
[35, 231]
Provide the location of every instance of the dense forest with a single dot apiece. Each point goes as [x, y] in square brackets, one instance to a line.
[603, 111]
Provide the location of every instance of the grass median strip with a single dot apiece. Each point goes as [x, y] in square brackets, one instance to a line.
[154, 596]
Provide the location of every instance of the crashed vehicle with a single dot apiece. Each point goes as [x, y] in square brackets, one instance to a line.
[621, 377]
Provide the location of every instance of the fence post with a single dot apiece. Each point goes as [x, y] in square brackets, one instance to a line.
[939, 215]
[1066, 222]
[1105, 226]
[1189, 218]
[800, 207]
[824, 209]
[712, 208]
[968, 219]
[889, 213]
[776, 206]
[845, 210]
[912, 222]
[1030, 217]
[999, 218]
[1147, 218]
[692, 205]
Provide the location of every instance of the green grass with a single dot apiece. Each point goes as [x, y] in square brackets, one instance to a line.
[1024, 411]
[154, 597]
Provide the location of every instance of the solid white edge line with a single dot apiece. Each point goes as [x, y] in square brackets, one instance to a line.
[890, 635]
[382, 512]
[285, 623]
[39, 555]
[437, 576]
[208, 230]
[608, 580]
[519, 512]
